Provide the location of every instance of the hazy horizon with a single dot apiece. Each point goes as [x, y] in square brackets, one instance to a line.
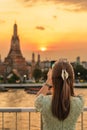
[47, 55]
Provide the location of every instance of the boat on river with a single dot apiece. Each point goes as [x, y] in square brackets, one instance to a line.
[32, 90]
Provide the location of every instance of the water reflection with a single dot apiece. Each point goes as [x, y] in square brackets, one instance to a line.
[19, 98]
[16, 98]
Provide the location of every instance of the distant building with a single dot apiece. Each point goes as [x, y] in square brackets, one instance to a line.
[38, 63]
[84, 64]
[14, 59]
[33, 63]
[78, 60]
[0, 59]
[45, 65]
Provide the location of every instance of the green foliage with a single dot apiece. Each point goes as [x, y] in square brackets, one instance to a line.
[80, 72]
[44, 75]
[1, 79]
[13, 79]
[37, 74]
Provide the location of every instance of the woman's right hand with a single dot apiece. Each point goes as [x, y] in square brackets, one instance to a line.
[49, 77]
[44, 90]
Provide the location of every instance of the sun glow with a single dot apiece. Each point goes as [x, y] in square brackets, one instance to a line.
[43, 48]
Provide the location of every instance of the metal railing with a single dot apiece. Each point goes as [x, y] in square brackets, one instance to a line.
[82, 120]
[15, 120]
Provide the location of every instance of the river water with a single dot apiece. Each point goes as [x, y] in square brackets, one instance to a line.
[19, 98]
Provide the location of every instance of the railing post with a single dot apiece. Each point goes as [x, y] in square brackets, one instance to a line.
[41, 123]
[16, 121]
[2, 120]
[82, 121]
[29, 120]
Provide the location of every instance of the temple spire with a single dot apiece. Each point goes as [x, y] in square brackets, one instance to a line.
[33, 57]
[0, 58]
[15, 30]
[15, 43]
[38, 58]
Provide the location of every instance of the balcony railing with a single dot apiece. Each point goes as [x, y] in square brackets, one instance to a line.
[22, 119]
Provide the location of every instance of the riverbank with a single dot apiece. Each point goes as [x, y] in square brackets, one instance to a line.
[21, 85]
[36, 85]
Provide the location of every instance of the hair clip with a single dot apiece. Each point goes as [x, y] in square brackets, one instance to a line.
[64, 74]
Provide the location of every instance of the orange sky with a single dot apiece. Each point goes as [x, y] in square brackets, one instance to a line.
[60, 26]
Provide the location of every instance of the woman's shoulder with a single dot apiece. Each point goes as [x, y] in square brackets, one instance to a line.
[78, 101]
[42, 100]
[78, 98]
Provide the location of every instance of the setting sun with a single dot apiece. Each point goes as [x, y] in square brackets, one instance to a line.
[43, 48]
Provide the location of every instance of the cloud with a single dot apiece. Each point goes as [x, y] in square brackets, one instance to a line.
[79, 5]
[40, 28]
[74, 5]
[9, 12]
[28, 3]
[54, 16]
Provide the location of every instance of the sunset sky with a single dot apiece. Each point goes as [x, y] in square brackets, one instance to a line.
[59, 26]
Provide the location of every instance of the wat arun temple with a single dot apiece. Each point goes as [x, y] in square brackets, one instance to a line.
[14, 62]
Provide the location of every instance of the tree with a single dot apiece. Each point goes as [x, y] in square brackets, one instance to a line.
[37, 73]
[44, 74]
[1, 79]
[80, 72]
[13, 78]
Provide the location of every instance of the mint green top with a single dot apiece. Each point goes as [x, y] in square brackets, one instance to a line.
[43, 105]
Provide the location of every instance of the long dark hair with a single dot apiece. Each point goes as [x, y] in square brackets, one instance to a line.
[62, 89]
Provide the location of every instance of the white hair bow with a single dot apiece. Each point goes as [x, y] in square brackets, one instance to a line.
[64, 74]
